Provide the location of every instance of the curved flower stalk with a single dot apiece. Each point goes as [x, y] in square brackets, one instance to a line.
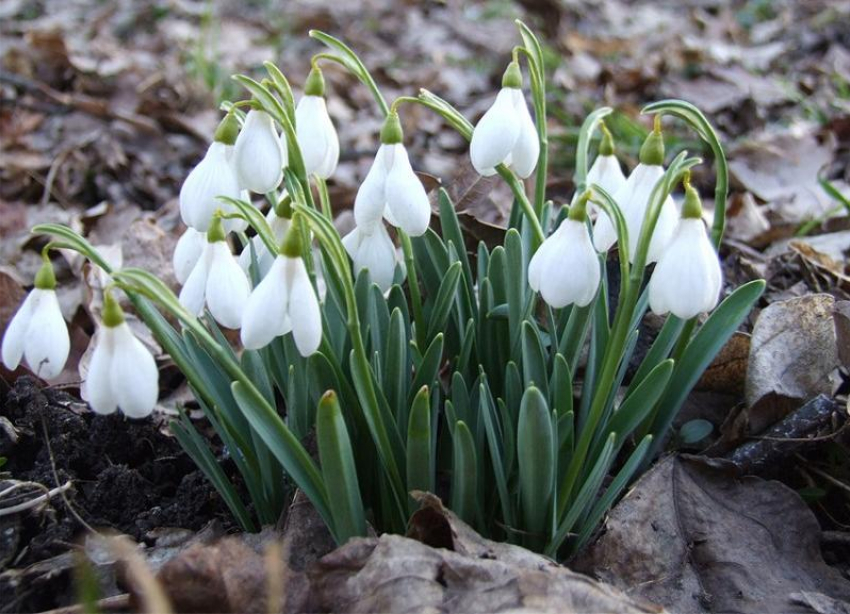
[565, 269]
[37, 332]
[370, 247]
[633, 198]
[258, 155]
[506, 133]
[217, 281]
[687, 279]
[317, 137]
[606, 171]
[284, 301]
[391, 188]
[122, 373]
[213, 176]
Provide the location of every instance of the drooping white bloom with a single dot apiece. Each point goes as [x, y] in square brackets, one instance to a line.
[370, 247]
[279, 225]
[283, 301]
[565, 268]
[633, 199]
[506, 134]
[186, 253]
[214, 176]
[258, 155]
[122, 374]
[38, 334]
[391, 189]
[317, 136]
[218, 282]
[687, 279]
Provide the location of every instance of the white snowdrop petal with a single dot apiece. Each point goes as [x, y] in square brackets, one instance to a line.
[99, 390]
[264, 317]
[227, 287]
[495, 135]
[526, 150]
[376, 253]
[604, 233]
[633, 199]
[47, 344]
[258, 155]
[370, 202]
[316, 136]
[193, 294]
[187, 252]
[406, 197]
[686, 280]
[663, 232]
[351, 241]
[570, 272]
[539, 259]
[304, 312]
[133, 373]
[212, 177]
[15, 336]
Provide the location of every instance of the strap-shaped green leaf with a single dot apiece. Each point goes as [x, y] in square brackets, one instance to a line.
[702, 349]
[535, 456]
[285, 446]
[444, 300]
[495, 440]
[464, 474]
[396, 366]
[338, 470]
[561, 386]
[420, 462]
[533, 359]
[428, 369]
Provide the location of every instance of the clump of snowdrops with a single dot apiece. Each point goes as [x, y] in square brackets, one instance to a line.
[497, 379]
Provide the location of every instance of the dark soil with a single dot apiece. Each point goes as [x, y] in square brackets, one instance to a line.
[126, 475]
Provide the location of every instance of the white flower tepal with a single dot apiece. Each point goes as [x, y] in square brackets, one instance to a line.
[279, 225]
[506, 134]
[187, 252]
[317, 137]
[122, 373]
[370, 247]
[217, 281]
[687, 279]
[258, 155]
[38, 334]
[212, 177]
[565, 269]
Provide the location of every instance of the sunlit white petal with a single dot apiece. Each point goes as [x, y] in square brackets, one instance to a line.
[526, 150]
[15, 336]
[133, 374]
[317, 136]
[569, 273]
[265, 316]
[405, 195]
[370, 202]
[496, 134]
[193, 293]
[187, 252]
[99, 390]
[212, 177]
[258, 155]
[227, 287]
[304, 312]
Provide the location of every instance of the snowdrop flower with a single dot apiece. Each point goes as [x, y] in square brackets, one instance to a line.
[687, 279]
[122, 372]
[316, 134]
[633, 199]
[279, 224]
[506, 133]
[258, 156]
[214, 176]
[38, 332]
[391, 188]
[284, 301]
[370, 247]
[217, 281]
[605, 171]
[565, 269]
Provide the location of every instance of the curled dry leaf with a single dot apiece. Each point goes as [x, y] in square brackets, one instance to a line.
[399, 574]
[695, 539]
[793, 356]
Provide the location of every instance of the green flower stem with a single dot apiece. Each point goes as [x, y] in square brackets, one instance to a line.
[519, 193]
[538, 93]
[415, 296]
[324, 198]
